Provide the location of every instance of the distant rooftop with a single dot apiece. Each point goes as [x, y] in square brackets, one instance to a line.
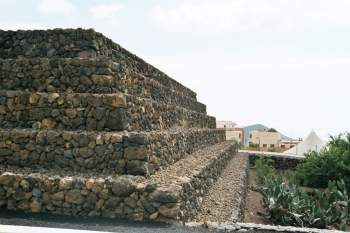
[225, 124]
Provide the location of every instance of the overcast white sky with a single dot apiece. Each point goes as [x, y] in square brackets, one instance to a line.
[282, 63]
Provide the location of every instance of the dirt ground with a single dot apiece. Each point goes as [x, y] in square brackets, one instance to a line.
[253, 206]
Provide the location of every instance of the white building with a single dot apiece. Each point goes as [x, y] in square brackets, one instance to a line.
[231, 130]
[225, 124]
[311, 143]
[235, 134]
[287, 144]
[265, 139]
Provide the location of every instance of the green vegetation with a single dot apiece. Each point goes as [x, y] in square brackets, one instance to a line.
[326, 204]
[332, 163]
[272, 149]
[264, 169]
[253, 145]
[287, 204]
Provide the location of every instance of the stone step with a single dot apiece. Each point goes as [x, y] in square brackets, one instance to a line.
[102, 152]
[100, 75]
[173, 194]
[81, 43]
[85, 111]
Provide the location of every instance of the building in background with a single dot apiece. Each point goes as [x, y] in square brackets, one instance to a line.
[225, 124]
[257, 136]
[311, 143]
[258, 127]
[250, 128]
[236, 134]
[265, 139]
[233, 132]
[288, 144]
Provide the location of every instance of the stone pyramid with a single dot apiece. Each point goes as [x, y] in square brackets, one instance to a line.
[89, 129]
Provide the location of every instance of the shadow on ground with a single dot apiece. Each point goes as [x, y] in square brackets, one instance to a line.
[90, 223]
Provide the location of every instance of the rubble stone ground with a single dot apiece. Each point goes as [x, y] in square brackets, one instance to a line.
[224, 201]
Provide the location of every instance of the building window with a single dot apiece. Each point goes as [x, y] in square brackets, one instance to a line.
[272, 145]
[265, 145]
[240, 136]
[291, 146]
[283, 146]
[250, 135]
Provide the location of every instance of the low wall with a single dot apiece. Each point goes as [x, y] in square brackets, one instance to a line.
[280, 162]
[238, 213]
[121, 153]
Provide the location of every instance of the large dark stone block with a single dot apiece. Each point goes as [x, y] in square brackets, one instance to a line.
[117, 120]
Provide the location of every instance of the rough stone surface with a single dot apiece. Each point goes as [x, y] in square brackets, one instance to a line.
[194, 175]
[172, 194]
[123, 63]
[82, 44]
[282, 163]
[225, 200]
[89, 129]
[74, 111]
[106, 152]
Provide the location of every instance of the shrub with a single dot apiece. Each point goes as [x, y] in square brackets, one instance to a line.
[264, 169]
[332, 163]
[272, 149]
[253, 145]
[287, 204]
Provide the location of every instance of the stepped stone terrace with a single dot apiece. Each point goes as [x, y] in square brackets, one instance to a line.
[89, 129]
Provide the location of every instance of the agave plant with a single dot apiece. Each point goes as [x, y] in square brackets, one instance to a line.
[287, 204]
[282, 201]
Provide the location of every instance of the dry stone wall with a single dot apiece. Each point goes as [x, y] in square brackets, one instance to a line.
[100, 75]
[132, 197]
[89, 129]
[85, 111]
[70, 43]
[114, 153]
[280, 162]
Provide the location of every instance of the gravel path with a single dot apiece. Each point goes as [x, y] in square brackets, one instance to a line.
[224, 202]
[190, 165]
